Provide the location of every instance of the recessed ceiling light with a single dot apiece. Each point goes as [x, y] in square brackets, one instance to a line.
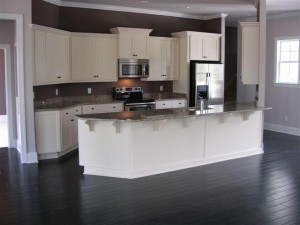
[144, 1]
[188, 7]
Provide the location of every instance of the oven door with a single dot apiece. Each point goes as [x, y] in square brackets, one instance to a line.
[138, 106]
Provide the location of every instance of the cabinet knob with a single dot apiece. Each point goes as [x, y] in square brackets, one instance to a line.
[92, 108]
[114, 107]
[204, 57]
[72, 120]
[67, 113]
[59, 77]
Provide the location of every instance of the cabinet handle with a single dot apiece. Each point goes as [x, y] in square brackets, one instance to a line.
[72, 120]
[179, 103]
[77, 110]
[92, 108]
[164, 104]
[58, 77]
[134, 54]
[67, 113]
[204, 57]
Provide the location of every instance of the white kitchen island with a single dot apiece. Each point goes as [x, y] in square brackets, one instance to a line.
[137, 144]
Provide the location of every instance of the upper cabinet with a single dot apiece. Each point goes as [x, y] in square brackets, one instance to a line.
[133, 42]
[94, 57]
[200, 45]
[51, 56]
[164, 58]
[205, 47]
[248, 52]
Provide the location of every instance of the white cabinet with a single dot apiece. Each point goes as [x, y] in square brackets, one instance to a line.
[164, 58]
[248, 52]
[195, 46]
[94, 57]
[133, 42]
[51, 56]
[170, 104]
[204, 47]
[103, 108]
[56, 132]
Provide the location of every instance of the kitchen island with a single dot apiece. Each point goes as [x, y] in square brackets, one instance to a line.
[136, 144]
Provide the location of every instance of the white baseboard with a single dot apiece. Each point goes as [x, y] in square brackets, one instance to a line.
[282, 129]
[130, 174]
[31, 157]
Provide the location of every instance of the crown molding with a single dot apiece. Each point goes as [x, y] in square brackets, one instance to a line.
[133, 10]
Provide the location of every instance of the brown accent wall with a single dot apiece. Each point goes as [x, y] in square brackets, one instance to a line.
[100, 21]
[46, 14]
[2, 84]
[230, 63]
[103, 88]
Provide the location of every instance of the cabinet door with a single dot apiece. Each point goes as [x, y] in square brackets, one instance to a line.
[196, 47]
[155, 69]
[210, 48]
[57, 58]
[248, 54]
[107, 50]
[170, 59]
[47, 126]
[140, 45]
[84, 57]
[74, 132]
[39, 56]
[126, 45]
[66, 132]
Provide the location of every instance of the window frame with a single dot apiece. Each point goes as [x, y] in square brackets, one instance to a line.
[291, 85]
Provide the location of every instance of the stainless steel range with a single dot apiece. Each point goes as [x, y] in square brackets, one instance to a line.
[133, 98]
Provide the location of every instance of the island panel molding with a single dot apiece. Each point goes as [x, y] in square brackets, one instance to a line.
[166, 140]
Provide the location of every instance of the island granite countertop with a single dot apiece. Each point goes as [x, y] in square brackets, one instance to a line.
[173, 113]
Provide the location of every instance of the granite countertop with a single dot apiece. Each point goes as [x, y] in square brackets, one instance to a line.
[173, 113]
[68, 102]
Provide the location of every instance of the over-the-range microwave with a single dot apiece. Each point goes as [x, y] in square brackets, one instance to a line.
[133, 68]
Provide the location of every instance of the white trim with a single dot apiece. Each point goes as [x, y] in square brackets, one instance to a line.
[31, 157]
[130, 174]
[133, 10]
[291, 85]
[10, 95]
[282, 129]
[18, 18]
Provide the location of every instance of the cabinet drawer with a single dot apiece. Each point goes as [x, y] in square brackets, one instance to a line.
[179, 103]
[102, 108]
[163, 104]
[70, 112]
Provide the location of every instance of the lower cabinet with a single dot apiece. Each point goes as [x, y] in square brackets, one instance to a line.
[56, 132]
[170, 104]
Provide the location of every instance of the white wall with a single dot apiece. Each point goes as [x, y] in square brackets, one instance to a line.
[24, 7]
[285, 102]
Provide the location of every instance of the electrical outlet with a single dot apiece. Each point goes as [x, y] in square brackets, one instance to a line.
[89, 90]
[161, 88]
[56, 92]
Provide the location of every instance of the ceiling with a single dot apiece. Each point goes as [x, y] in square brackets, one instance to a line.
[236, 9]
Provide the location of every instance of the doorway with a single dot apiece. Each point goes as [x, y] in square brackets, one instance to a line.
[3, 111]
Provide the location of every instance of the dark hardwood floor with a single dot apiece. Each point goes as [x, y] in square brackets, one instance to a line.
[259, 190]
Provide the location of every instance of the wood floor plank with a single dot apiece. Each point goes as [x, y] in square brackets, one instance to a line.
[257, 190]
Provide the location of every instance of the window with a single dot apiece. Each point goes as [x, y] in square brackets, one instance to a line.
[287, 65]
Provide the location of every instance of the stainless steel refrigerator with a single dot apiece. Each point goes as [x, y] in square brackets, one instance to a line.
[206, 82]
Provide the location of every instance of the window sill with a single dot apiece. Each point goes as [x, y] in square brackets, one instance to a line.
[287, 85]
